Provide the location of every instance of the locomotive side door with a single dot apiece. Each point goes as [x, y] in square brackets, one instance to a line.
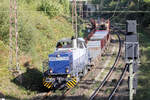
[83, 54]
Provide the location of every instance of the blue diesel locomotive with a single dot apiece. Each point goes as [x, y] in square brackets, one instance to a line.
[67, 64]
[72, 58]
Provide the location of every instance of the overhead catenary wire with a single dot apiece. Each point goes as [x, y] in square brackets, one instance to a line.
[115, 10]
[108, 11]
[101, 5]
[126, 7]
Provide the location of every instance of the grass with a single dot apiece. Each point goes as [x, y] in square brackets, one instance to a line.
[38, 35]
[143, 91]
[7, 87]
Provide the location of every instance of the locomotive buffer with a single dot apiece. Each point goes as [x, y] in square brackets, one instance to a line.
[132, 55]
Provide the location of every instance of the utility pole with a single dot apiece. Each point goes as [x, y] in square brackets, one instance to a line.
[74, 18]
[73, 15]
[10, 37]
[81, 9]
[132, 55]
[76, 21]
[13, 36]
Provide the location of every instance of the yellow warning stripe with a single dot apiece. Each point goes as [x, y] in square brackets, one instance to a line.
[71, 83]
[50, 85]
[75, 80]
[45, 84]
[68, 86]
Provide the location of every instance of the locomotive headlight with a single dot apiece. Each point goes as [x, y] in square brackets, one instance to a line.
[68, 75]
[58, 55]
[67, 70]
[50, 70]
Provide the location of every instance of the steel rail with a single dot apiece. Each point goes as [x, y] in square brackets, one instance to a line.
[119, 81]
[46, 95]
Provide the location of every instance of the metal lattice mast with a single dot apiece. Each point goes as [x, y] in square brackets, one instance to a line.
[74, 18]
[16, 34]
[81, 9]
[73, 15]
[10, 37]
[76, 29]
[13, 38]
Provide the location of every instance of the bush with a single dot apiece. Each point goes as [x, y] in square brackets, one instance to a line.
[51, 7]
[66, 5]
[26, 32]
[4, 24]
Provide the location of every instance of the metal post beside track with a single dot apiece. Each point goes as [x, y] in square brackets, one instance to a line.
[13, 36]
[132, 55]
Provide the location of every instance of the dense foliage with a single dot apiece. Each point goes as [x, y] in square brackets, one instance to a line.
[129, 10]
[50, 8]
[38, 30]
[41, 23]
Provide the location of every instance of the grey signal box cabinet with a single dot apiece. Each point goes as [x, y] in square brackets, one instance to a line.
[131, 41]
[131, 48]
[131, 27]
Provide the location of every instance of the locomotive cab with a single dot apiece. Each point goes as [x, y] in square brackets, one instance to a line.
[66, 63]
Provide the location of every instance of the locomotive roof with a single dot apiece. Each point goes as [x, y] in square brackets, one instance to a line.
[101, 32]
[69, 40]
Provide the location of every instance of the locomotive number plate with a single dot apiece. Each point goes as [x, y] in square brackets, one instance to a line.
[58, 58]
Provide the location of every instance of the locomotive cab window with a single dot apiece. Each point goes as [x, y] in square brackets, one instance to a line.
[84, 45]
[81, 45]
[101, 27]
[65, 44]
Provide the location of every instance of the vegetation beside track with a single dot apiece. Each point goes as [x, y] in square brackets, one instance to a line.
[143, 91]
[38, 34]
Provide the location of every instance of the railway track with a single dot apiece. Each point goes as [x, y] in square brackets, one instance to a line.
[64, 93]
[63, 96]
[119, 82]
[109, 73]
[46, 95]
